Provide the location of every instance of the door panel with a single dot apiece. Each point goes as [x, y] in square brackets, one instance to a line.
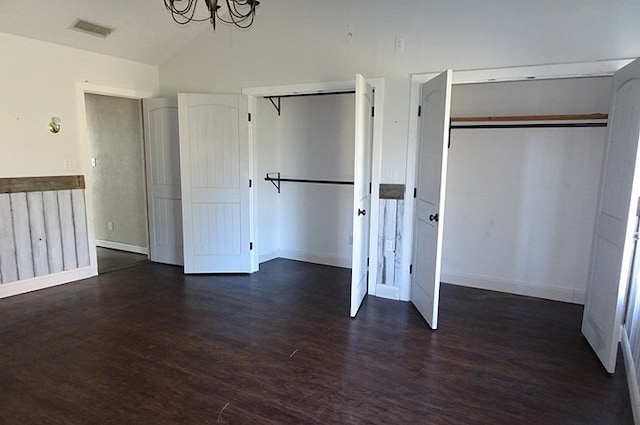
[431, 172]
[612, 245]
[214, 159]
[163, 180]
[361, 194]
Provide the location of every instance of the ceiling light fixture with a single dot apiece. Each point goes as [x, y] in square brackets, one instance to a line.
[240, 12]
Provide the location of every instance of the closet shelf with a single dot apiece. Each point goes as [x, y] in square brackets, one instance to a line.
[275, 179]
[531, 121]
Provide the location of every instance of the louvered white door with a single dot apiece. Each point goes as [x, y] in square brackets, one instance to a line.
[163, 180]
[214, 164]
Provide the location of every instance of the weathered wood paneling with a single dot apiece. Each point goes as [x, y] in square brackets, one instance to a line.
[42, 233]
[53, 231]
[22, 235]
[8, 264]
[40, 184]
[392, 191]
[69, 258]
[38, 234]
[80, 227]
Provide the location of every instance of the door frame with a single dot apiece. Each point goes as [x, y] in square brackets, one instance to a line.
[490, 75]
[83, 88]
[376, 157]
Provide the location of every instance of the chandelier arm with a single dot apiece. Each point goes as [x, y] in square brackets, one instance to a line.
[241, 12]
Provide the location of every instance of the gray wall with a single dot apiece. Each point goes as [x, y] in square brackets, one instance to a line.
[117, 179]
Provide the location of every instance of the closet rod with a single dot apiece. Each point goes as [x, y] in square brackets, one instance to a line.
[539, 125]
[324, 93]
[586, 120]
[565, 117]
[277, 180]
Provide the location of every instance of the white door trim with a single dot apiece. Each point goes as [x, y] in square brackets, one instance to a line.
[539, 72]
[376, 159]
[81, 90]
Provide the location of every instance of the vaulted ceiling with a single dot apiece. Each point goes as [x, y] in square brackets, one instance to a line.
[144, 30]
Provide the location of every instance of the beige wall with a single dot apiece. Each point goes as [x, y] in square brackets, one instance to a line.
[39, 80]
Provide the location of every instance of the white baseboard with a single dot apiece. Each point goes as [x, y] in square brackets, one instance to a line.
[630, 367]
[519, 288]
[263, 258]
[387, 291]
[122, 247]
[41, 282]
[318, 258]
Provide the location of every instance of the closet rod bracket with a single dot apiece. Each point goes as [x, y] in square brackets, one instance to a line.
[275, 105]
[275, 181]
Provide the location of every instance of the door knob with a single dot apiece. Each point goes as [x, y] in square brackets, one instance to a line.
[362, 212]
[433, 217]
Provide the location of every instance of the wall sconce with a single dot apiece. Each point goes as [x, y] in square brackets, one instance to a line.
[54, 125]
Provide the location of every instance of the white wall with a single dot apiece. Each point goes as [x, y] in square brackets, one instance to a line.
[39, 80]
[520, 203]
[312, 139]
[312, 41]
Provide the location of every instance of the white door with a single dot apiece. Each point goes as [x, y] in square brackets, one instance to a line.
[612, 245]
[163, 180]
[361, 192]
[435, 101]
[214, 164]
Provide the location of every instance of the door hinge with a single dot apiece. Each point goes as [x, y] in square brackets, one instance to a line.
[419, 110]
[373, 111]
[415, 192]
[411, 269]
[250, 183]
[370, 187]
[249, 116]
[250, 246]
[367, 261]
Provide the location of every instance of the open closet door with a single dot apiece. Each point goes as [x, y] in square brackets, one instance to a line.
[612, 246]
[163, 180]
[435, 101]
[214, 164]
[361, 192]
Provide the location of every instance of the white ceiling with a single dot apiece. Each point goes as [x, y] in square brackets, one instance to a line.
[144, 30]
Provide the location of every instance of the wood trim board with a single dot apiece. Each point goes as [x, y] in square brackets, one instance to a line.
[40, 184]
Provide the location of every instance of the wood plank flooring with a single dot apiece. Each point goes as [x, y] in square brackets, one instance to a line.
[147, 345]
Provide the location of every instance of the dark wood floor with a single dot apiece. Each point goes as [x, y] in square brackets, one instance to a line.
[147, 345]
[110, 260]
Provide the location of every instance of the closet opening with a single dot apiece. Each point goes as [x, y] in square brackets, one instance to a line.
[522, 185]
[304, 164]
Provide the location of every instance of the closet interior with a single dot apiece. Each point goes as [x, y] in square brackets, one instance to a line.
[304, 163]
[522, 184]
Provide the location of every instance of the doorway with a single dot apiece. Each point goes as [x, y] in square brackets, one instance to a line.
[114, 166]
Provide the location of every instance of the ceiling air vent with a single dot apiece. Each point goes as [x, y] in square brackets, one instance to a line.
[91, 28]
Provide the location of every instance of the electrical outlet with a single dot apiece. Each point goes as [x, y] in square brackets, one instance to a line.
[68, 165]
[94, 162]
[389, 245]
[399, 46]
[110, 225]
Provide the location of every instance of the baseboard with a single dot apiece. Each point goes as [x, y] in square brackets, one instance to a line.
[42, 282]
[263, 258]
[122, 247]
[519, 288]
[630, 367]
[387, 291]
[317, 258]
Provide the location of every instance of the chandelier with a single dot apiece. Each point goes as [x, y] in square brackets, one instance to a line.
[238, 12]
